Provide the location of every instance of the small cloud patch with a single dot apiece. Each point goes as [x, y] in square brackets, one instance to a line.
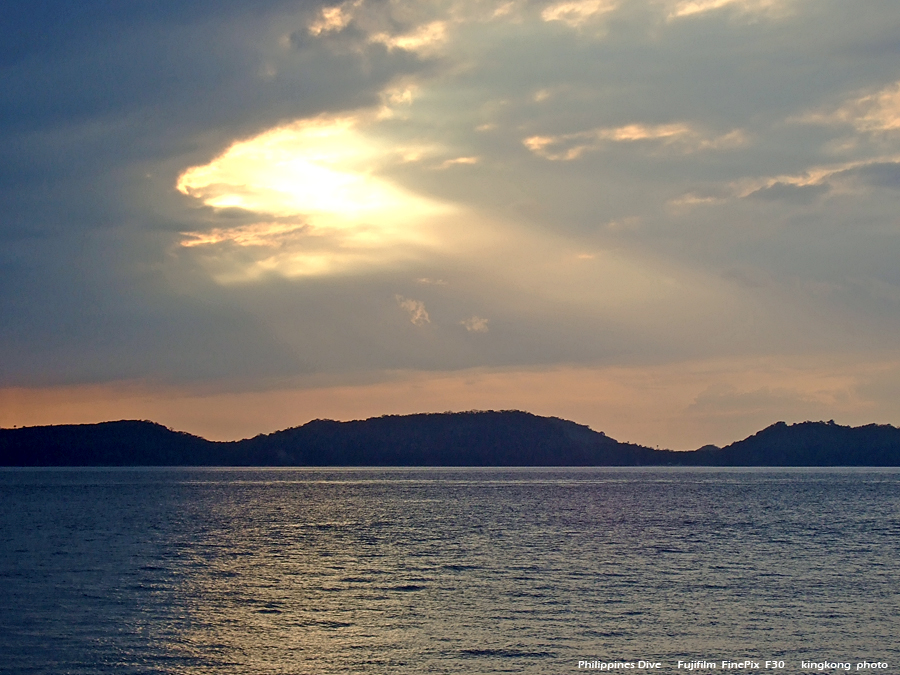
[458, 160]
[576, 13]
[418, 315]
[695, 7]
[475, 324]
[568, 147]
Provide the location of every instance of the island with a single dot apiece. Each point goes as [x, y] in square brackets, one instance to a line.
[475, 438]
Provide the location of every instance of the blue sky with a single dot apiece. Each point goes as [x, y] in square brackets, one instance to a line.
[675, 221]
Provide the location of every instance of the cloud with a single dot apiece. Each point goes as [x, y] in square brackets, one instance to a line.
[877, 174]
[695, 7]
[815, 180]
[356, 25]
[418, 315]
[425, 39]
[318, 176]
[100, 115]
[255, 234]
[475, 324]
[333, 18]
[568, 147]
[877, 112]
[800, 194]
[456, 161]
[881, 111]
[575, 13]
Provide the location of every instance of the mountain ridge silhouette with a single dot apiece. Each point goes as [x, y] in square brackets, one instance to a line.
[474, 438]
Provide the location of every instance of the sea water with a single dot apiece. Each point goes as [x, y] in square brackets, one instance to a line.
[251, 571]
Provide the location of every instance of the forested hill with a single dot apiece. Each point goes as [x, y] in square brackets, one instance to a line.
[123, 443]
[507, 438]
[809, 444]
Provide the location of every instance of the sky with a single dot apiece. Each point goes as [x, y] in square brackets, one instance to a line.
[676, 221]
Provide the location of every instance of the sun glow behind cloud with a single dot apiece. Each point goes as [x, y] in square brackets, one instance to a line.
[322, 208]
[310, 201]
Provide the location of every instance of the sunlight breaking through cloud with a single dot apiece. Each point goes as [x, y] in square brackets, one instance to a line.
[322, 207]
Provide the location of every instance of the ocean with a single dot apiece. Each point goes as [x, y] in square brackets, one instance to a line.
[307, 571]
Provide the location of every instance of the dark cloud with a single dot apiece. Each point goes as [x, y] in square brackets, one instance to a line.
[102, 104]
[55, 27]
[116, 86]
[878, 174]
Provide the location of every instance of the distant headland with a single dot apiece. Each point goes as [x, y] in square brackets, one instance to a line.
[477, 438]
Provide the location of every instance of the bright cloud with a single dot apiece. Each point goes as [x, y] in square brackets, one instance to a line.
[319, 166]
[578, 12]
[379, 25]
[319, 179]
[333, 18]
[457, 161]
[567, 147]
[256, 234]
[423, 39]
[693, 7]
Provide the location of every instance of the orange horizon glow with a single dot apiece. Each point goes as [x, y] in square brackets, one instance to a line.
[679, 406]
